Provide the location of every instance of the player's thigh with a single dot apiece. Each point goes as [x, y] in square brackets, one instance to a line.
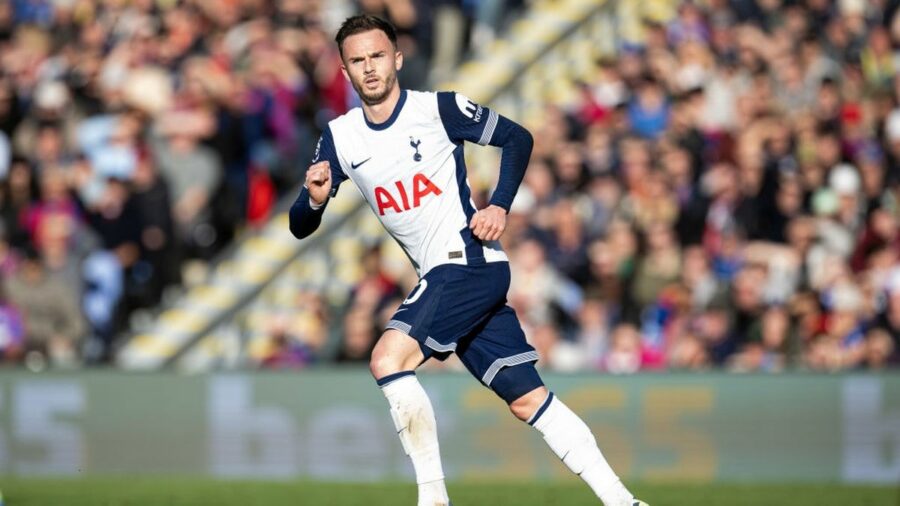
[395, 352]
[449, 304]
[501, 358]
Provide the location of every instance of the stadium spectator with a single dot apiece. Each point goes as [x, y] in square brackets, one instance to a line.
[294, 337]
[286, 349]
[360, 334]
[12, 333]
[54, 325]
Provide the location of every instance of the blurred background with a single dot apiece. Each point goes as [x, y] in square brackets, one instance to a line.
[714, 185]
[715, 188]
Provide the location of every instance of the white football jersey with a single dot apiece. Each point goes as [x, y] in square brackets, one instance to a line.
[410, 170]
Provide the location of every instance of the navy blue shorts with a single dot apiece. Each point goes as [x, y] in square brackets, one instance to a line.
[462, 309]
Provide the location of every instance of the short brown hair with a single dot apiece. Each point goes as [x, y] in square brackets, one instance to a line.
[363, 23]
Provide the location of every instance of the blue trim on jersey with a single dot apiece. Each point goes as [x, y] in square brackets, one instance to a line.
[537, 415]
[474, 248]
[390, 378]
[390, 121]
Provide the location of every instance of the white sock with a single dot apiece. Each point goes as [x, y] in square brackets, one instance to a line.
[572, 441]
[414, 420]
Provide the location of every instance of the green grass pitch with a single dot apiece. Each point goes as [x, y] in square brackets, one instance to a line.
[184, 491]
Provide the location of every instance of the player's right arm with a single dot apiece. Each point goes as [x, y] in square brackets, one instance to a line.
[322, 180]
[318, 183]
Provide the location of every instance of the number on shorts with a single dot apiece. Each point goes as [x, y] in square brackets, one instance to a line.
[417, 292]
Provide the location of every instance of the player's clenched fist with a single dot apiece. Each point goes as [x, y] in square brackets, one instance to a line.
[489, 223]
[318, 182]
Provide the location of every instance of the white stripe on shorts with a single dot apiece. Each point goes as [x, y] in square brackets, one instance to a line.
[521, 358]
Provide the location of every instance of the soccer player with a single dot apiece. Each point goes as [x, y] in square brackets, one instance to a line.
[404, 152]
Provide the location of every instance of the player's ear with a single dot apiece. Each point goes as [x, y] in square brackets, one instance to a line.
[344, 71]
[398, 60]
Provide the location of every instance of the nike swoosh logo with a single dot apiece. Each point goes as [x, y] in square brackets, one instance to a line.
[354, 166]
[401, 309]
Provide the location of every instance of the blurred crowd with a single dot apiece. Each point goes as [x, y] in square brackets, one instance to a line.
[138, 137]
[725, 194]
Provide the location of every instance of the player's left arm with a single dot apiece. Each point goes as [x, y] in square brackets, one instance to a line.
[464, 120]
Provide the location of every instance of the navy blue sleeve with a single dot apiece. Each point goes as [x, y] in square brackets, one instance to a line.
[304, 220]
[517, 143]
[325, 151]
[465, 120]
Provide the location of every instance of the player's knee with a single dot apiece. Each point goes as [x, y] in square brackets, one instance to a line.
[381, 364]
[394, 352]
[527, 405]
[520, 410]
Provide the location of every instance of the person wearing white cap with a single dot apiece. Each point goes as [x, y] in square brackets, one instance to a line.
[845, 182]
[5, 155]
[892, 126]
[52, 104]
[892, 140]
[888, 318]
[844, 322]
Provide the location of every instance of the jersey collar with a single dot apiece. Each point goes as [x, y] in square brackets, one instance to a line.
[390, 121]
